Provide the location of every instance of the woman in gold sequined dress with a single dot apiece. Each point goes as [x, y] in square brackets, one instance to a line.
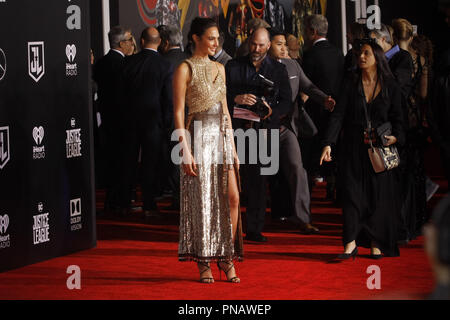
[210, 224]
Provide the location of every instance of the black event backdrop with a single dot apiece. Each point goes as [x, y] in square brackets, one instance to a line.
[46, 158]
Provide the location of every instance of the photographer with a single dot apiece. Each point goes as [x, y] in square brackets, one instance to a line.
[249, 79]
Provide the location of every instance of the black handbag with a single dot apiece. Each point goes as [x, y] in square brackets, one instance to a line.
[382, 157]
[306, 127]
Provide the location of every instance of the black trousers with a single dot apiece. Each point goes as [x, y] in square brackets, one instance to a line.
[110, 139]
[255, 183]
[147, 137]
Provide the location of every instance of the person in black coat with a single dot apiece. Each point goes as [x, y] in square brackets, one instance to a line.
[438, 115]
[412, 170]
[323, 64]
[370, 200]
[243, 87]
[107, 75]
[170, 49]
[171, 42]
[147, 81]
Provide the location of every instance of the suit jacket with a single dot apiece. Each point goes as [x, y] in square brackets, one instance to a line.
[324, 66]
[299, 83]
[241, 78]
[107, 75]
[147, 80]
[176, 56]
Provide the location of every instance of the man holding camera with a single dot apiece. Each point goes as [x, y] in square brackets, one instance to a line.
[256, 82]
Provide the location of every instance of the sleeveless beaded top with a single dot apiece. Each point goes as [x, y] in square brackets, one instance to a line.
[203, 92]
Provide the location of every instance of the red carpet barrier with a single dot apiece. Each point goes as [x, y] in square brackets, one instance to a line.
[46, 165]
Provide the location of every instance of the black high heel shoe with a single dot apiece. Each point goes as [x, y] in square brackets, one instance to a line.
[205, 269]
[230, 265]
[345, 256]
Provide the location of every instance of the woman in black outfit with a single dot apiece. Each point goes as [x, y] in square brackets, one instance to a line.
[370, 200]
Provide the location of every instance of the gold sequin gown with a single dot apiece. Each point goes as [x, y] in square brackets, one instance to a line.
[205, 222]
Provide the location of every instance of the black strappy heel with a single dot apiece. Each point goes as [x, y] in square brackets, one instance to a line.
[230, 265]
[206, 268]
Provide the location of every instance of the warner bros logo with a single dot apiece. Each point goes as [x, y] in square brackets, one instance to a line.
[4, 146]
[36, 61]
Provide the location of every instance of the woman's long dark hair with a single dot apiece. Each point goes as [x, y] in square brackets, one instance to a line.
[383, 70]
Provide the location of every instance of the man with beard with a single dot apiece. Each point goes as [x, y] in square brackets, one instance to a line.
[245, 85]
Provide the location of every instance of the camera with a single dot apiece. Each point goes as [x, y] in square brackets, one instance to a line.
[264, 90]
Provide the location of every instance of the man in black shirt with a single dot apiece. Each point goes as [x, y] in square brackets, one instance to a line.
[243, 88]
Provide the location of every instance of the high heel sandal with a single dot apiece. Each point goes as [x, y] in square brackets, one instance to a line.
[376, 256]
[230, 265]
[345, 256]
[206, 268]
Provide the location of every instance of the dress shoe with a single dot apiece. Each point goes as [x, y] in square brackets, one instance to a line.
[258, 237]
[308, 228]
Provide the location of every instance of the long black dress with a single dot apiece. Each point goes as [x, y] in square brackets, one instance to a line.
[370, 200]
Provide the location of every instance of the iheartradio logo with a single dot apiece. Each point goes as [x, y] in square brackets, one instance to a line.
[38, 134]
[4, 223]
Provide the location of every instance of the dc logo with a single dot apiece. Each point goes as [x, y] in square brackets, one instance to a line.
[4, 146]
[36, 61]
[75, 207]
[147, 11]
[40, 207]
[38, 134]
[4, 223]
[72, 122]
[71, 52]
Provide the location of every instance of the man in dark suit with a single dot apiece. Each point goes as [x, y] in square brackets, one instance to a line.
[107, 75]
[323, 64]
[170, 47]
[401, 65]
[244, 85]
[148, 86]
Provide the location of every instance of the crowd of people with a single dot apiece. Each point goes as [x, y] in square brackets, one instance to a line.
[143, 96]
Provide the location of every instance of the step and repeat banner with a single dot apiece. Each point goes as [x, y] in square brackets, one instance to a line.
[47, 191]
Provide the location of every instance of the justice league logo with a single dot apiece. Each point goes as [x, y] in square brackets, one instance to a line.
[36, 61]
[4, 146]
[147, 11]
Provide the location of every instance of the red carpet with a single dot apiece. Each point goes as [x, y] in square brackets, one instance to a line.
[137, 260]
